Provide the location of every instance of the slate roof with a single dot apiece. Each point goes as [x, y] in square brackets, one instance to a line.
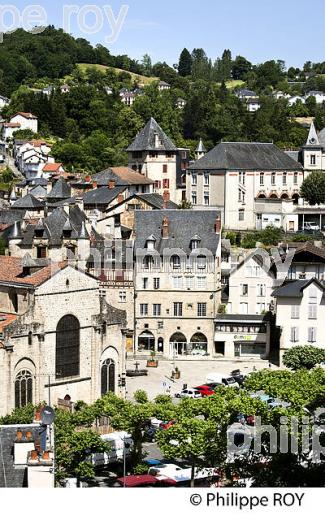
[11, 216]
[60, 190]
[102, 196]
[183, 224]
[321, 137]
[156, 201]
[38, 191]
[200, 147]
[12, 476]
[246, 156]
[295, 289]
[29, 202]
[52, 227]
[122, 176]
[145, 140]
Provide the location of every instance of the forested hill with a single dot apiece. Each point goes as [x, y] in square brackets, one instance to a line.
[50, 54]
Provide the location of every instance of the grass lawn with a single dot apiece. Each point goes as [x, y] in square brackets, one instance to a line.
[102, 68]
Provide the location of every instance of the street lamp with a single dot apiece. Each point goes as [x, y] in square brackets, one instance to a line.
[126, 445]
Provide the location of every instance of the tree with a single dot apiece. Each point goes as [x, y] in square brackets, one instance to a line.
[147, 65]
[313, 188]
[185, 204]
[303, 357]
[185, 63]
[240, 68]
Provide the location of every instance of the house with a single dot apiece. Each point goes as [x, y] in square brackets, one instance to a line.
[127, 97]
[177, 282]
[234, 177]
[292, 100]
[123, 176]
[8, 130]
[29, 203]
[31, 156]
[48, 90]
[163, 85]
[56, 327]
[4, 101]
[153, 155]
[313, 152]
[253, 104]
[180, 103]
[52, 168]
[245, 94]
[61, 191]
[65, 89]
[300, 314]
[26, 120]
[317, 94]
[60, 236]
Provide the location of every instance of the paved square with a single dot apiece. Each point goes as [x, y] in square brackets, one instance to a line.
[193, 373]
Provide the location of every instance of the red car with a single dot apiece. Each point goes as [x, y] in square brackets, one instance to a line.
[204, 390]
[167, 425]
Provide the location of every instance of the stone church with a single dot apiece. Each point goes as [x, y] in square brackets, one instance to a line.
[58, 338]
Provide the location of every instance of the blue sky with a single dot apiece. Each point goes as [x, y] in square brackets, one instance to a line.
[291, 30]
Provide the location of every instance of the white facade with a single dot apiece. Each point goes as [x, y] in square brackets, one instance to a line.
[26, 121]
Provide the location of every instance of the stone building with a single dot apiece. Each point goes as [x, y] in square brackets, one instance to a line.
[177, 282]
[58, 338]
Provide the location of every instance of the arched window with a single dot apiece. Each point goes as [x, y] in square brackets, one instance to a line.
[148, 262]
[67, 346]
[23, 388]
[175, 262]
[107, 377]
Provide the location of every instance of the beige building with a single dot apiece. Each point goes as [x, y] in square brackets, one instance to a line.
[155, 156]
[177, 282]
[58, 338]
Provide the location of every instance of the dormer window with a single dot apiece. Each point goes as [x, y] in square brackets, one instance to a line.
[151, 242]
[175, 262]
[195, 242]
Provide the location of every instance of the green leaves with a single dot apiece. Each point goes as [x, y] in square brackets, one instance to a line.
[313, 188]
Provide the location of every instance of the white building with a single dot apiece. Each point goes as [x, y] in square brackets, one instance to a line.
[317, 94]
[300, 314]
[235, 177]
[26, 120]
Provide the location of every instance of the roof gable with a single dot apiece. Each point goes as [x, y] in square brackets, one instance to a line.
[146, 139]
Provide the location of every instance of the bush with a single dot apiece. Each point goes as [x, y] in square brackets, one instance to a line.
[303, 357]
[231, 235]
[141, 397]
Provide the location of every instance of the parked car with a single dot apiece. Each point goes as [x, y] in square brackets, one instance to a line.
[311, 226]
[179, 474]
[120, 444]
[221, 379]
[166, 425]
[189, 393]
[205, 390]
[132, 481]
[238, 377]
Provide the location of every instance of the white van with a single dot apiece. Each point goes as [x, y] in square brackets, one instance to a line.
[221, 379]
[118, 442]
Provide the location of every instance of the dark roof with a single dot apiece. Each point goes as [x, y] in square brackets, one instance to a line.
[29, 202]
[52, 227]
[38, 181]
[295, 289]
[321, 137]
[60, 190]
[11, 216]
[156, 201]
[309, 247]
[246, 156]
[122, 176]
[102, 195]
[255, 318]
[183, 224]
[38, 191]
[12, 476]
[145, 140]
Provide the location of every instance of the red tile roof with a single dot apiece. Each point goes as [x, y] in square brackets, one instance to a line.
[27, 115]
[6, 319]
[11, 272]
[52, 167]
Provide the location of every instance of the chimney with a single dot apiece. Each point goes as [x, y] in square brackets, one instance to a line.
[94, 185]
[87, 178]
[166, 198]
[218, 224]
[156, 140]
[120, 198]
[165, 228]
[111, 184]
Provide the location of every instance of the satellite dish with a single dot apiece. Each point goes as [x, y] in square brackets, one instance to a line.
[47, 415]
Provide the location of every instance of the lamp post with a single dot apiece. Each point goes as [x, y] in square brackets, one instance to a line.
[126, 445]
